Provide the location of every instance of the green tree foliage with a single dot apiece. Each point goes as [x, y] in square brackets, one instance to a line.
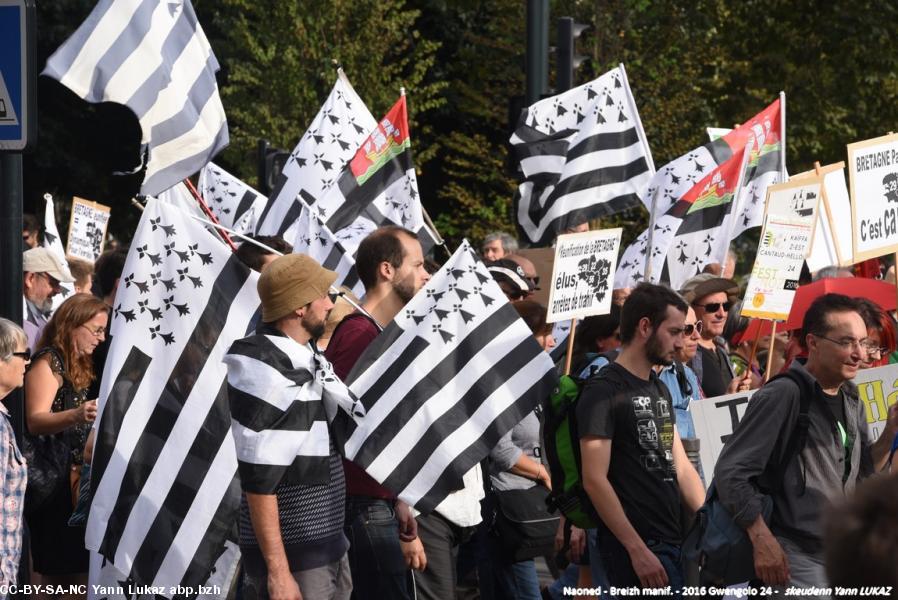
[279, 63]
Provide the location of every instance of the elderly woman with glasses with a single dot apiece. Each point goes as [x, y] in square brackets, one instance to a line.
[14, 357]
[56, 402]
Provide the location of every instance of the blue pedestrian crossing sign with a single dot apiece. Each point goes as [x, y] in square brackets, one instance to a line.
[17, 75]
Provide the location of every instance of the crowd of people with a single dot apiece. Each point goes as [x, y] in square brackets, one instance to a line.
[322, 527]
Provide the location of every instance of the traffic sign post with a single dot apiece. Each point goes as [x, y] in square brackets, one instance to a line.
[18, 128]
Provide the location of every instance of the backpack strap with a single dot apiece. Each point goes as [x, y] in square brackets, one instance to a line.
[799, 436]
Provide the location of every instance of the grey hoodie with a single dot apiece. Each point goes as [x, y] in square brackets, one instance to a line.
[811, 479]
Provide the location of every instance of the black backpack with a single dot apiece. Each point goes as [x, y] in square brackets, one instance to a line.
[715, 541]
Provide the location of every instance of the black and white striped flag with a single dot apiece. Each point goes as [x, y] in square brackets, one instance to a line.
[450, 375]
[154, 58]
[164, 475]
[331, 140]
[236, 205]
[316, 240]
[282, 396]
[583, 155]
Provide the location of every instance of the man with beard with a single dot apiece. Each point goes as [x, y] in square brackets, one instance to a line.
[634, 467]
[381, 529]
[281, 391]
[43, 272]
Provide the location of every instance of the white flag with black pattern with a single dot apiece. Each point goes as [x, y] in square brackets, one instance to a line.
[236, 205]
[583, 154]
[53, 243]
[332, 138]
[166, 493]
[450, 375]
[315, 239]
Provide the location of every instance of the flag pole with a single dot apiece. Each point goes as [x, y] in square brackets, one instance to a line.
[647, 273]
[754, 347]
[570, 347]
[770, 351]
[829, 217]
[221, 230]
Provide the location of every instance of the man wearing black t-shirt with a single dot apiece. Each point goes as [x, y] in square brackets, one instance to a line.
[634, 467]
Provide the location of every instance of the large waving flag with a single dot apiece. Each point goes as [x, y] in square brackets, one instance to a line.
[450, 375]
[378, 186]
[333, 137]
[315, 239]
[583, 155]
[153, 57]
[679, 178]
[166, 492]
[236, 205]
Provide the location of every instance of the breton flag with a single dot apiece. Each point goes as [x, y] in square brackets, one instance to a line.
[377, 187]
[164, 477]
[236, 205]
[583, 155]
[316, 240]
[679, 178]
[450, 375]
[339, 128]
[53, 243]
[153, 57]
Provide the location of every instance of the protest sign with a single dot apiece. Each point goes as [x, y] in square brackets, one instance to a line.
[774, 279]
[873, 170]
[795, 199]
[583, 274]
[832, 236]
[715, 419]
[87, 229]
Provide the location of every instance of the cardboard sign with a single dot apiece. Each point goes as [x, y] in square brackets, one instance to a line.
[87, 229]
[774, 279]
[583, 274]
[833, 236]
[797, 199]
[873, 170]
[715, 419]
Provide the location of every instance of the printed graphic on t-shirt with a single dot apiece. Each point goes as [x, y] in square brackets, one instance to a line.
[654, 430]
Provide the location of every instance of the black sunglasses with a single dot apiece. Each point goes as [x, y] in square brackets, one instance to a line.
[688, 329]
[24, 355]
[713, 307]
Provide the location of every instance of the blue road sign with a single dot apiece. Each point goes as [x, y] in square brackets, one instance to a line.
[17, 74]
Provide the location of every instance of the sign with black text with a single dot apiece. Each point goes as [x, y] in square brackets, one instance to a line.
[87, 229]
[583, 274]
[873, 171]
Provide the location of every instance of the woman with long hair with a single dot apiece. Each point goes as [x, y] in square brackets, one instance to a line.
[56, 402]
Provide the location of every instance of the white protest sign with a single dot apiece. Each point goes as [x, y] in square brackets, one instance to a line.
[87, 229]
[873, 170]
[582, 275]
[774, 278]
[832, 236]
[796, 199]
[715, 419]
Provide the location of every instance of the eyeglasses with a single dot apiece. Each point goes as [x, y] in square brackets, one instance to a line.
[846, 343]
[24, 355]
[690, 327]
[874, 349]
[50, 279]
[97, 333]
[713, 307]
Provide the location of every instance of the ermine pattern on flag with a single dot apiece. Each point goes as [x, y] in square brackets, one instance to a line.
[583, 155]
[338, 130]
[316, 240]
[450, 375]
[164, 468]
[236, 205]
[154, 58]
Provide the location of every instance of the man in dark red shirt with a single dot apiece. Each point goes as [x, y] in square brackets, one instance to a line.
[381, 529]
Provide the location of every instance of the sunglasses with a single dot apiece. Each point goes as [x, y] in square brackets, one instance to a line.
[24, 355]
[692, 327]
[713, 307]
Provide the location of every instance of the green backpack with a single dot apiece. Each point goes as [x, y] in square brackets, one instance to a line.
[562, 446]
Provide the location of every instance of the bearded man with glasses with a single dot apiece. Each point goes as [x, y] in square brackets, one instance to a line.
[43, 272]
[836, 454]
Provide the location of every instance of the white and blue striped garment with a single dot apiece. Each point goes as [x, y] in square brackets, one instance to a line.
[153, 57]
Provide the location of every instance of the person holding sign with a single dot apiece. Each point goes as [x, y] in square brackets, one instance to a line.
[818, 462]
[634, 467]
